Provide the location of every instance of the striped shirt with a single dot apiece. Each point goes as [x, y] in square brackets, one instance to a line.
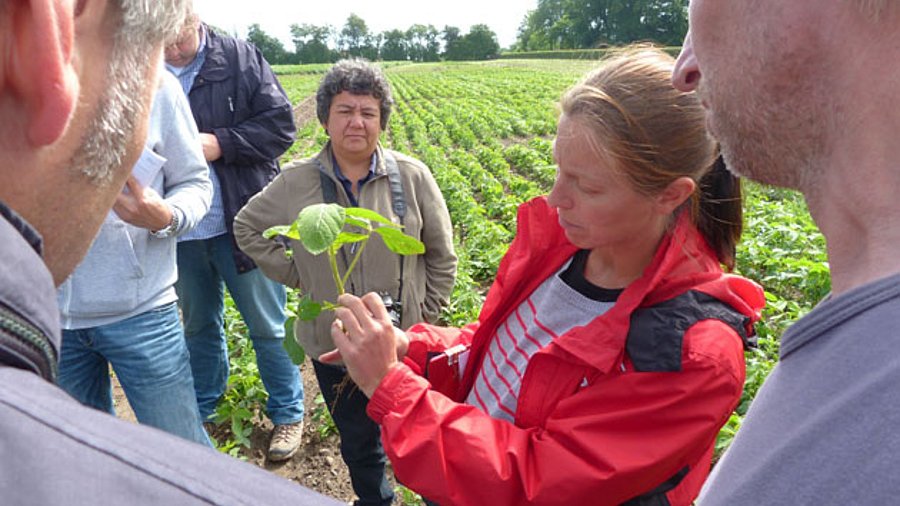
[553, 309]
[213, 224]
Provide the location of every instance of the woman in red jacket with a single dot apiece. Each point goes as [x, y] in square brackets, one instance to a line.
[609, 350]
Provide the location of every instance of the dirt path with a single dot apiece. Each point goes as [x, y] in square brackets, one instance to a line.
[305, 111]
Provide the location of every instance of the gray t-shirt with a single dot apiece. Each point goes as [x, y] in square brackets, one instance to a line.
[823, 429]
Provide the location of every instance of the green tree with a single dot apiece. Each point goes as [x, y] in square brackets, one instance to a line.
[355, 39]
[452, 37]
[271, 48]
[479, 44]
[394, 46]
[571, 24]
[423, 43]
[311, 43]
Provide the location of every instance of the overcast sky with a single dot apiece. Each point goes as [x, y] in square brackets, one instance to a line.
[276, 16]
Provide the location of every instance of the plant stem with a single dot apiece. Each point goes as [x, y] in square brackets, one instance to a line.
[338, 281]
[353, 262]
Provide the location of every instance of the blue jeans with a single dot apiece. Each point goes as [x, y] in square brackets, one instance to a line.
[149, 356]
[205, 268]
[360, 436]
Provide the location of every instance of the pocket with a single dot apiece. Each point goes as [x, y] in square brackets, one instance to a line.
[106, 281]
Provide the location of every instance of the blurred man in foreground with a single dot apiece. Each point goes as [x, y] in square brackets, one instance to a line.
[803, 95]
[76, 82]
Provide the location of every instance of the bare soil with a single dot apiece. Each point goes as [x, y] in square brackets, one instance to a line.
[305, 110]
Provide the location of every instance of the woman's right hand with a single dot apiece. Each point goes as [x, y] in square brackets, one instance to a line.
[334, 356]
[400, 338]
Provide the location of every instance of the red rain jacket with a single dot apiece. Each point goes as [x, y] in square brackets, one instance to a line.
[592, 426]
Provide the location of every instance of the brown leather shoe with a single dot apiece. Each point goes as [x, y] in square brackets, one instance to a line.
[285, 441]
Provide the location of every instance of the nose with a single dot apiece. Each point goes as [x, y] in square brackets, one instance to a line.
[557, 197]
[686, 75]
[356, 120]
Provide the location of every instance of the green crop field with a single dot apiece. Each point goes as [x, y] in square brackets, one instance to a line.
[486, 130]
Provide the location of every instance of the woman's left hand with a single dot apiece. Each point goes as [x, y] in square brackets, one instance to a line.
[365, 338]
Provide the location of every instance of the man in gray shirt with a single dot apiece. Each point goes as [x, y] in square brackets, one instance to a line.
[804, 94]
[77, 80]
[118, 307]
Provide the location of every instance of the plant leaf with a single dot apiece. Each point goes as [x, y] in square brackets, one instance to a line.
[363, 224]
[308, 309]
[289, 231]
[291, 346]
[368, 214]
[348, 238]
[319, 225]
[400, 243]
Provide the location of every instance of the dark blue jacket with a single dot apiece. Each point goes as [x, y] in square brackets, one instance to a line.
[237, 98]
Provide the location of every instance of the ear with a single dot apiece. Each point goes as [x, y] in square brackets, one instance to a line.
[39, 65]
[675, 194]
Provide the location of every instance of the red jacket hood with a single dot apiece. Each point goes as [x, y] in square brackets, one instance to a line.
[683, 261]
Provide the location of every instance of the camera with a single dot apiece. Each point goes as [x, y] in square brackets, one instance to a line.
[394, 309]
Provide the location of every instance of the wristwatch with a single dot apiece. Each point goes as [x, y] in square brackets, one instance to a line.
[169, 229]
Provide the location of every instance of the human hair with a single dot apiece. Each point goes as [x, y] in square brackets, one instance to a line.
[656, 134]
[151, 21]
[359, 77]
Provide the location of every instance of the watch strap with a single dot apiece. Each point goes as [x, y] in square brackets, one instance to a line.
[169, 229]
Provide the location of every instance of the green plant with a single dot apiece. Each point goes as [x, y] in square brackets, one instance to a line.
[239, 406]
[322, 417]
[325, 228]
[408, 497]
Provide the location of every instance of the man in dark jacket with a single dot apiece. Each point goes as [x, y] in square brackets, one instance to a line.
[77, 85]
[246, 123]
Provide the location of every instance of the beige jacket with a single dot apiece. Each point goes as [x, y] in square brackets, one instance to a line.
[427, 279]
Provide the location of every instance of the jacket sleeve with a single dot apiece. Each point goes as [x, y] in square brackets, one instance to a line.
[267, 209]
[440, 258]
[616, 438]
[264, 127]
[187, 187]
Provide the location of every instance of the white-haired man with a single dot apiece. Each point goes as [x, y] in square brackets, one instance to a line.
[76, 81]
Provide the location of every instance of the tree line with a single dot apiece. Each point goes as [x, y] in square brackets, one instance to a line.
[554, 24]
[418, 43]
[583, 24]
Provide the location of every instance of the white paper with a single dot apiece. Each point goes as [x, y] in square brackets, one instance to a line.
[144, 171]
[147, 167]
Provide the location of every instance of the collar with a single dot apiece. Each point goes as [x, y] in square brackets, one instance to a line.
[343, 179]
[32, 236]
